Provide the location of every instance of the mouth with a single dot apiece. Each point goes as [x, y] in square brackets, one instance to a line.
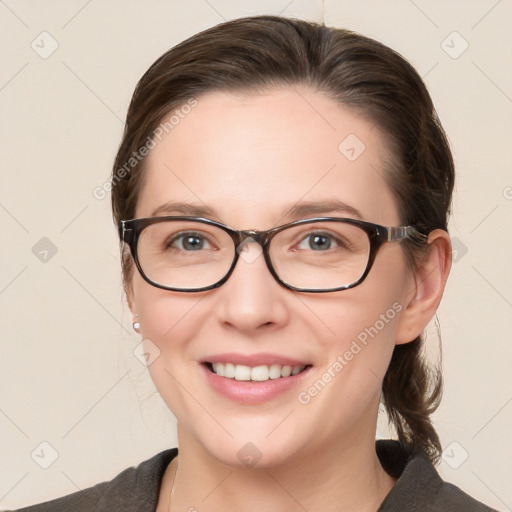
[254, 382]
[260, 373]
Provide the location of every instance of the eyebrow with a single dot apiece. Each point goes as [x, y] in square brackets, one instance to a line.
[305, 208]
[301, 209]
[189, 209]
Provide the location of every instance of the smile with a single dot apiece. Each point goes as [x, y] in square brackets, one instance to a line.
[254, 378]
[258, 373]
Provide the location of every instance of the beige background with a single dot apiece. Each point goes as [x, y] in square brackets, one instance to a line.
[68, 376]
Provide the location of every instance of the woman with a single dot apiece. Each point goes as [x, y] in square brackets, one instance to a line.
[282, 192]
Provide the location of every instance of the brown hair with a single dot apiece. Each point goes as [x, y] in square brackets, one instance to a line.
[261, 52]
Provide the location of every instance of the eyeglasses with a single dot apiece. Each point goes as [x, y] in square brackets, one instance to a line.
[317, 255]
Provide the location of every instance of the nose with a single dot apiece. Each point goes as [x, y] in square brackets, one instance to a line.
[251, 299]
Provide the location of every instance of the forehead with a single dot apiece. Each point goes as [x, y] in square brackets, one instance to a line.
[250, 157]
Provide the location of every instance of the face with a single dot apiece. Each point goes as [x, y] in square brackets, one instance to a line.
[248, 160]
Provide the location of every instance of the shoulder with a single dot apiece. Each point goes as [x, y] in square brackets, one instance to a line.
[136, 488]
[418, 486]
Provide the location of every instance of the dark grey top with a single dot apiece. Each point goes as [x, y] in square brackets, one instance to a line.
[419, 488]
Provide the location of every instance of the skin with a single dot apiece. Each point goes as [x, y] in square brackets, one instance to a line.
[249, 158]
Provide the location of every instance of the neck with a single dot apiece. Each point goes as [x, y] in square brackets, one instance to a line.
[344, 478]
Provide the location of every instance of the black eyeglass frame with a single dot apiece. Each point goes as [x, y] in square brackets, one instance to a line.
[130, 230]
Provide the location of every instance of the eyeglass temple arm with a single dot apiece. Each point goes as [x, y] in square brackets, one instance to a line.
[125, 233]
[403, 232]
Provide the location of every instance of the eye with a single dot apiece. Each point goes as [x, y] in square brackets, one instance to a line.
[318, 242]
[189, 242]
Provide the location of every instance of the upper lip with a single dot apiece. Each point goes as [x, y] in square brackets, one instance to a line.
[260, 359]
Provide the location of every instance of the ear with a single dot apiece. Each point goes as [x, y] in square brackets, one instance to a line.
[427, 286]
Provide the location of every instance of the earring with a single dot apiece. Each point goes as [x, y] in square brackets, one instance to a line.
[136, 325]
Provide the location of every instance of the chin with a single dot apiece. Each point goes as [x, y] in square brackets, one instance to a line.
[260, 451]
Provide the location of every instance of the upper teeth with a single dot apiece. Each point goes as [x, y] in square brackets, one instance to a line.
[259, 373]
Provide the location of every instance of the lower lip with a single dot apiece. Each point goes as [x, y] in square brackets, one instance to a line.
[252, 392]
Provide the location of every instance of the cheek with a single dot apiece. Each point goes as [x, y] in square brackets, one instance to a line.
[169, 328]
[161, 312]
[169, 324]
[358, 333]
[368, 310]
[355, 355]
